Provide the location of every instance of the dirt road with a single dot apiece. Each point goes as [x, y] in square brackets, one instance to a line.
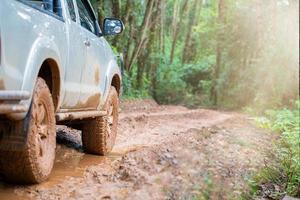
[161, 152]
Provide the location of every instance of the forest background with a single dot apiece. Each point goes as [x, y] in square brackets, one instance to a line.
[223, 54]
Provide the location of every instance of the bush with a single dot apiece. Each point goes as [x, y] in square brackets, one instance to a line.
[283, 172]
[130, 92]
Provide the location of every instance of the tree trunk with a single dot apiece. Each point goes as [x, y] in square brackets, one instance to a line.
[177, 29]
[192, 19]
[101, 12]
[116, 8]
[142, 61]
[144, 28]
[162, 8]
[129, 23]
[127, 11]
[216, 72]
[175, 17]
[116, 12]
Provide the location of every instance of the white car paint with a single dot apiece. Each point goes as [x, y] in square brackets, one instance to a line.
[29, 36]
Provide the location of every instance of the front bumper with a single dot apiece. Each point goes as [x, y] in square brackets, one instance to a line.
[10, 101]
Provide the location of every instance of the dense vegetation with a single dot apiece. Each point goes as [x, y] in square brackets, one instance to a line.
[225, 53]
[208, 52]
[282, 175]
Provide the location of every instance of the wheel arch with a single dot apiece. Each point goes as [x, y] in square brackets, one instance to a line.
[41, 62]
[116, 82]
[50, 72]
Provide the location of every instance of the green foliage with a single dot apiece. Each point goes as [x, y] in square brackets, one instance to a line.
[187, 84]
[171, 86]
[258, 65]
[256, 68]
[284, 168]
[130, 91]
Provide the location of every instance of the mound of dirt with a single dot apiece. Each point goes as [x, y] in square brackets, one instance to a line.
[130, 105]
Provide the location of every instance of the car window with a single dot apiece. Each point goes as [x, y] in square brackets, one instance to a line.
[86, 19]
[53, 6]
[57, 9]
[71, 10]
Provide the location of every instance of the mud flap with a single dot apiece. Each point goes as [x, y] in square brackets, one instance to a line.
[13, 135]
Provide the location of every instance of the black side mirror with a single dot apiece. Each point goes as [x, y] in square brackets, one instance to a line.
[112, 26]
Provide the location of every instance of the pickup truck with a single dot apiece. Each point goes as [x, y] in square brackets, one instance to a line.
[55, 67]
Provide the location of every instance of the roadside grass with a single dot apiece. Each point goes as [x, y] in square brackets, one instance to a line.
[281, 175]
[208, 190]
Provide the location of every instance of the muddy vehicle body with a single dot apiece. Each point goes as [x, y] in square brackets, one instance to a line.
[55, 67]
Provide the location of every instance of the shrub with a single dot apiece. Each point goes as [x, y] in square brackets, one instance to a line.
[283, 172]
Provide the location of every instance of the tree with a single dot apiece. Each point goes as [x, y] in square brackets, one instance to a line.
[140, 41]
[193, 16]
[220, 37]
[177, 25]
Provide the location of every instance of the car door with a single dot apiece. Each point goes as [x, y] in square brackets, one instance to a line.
[90, 77]
[76, 58]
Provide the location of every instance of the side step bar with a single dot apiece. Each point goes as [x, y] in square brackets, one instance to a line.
[10, 101]
[12, 108]
[79, 115]
[14, 95]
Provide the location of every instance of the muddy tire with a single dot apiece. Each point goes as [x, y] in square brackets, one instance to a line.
[35, 162]
[99, 134]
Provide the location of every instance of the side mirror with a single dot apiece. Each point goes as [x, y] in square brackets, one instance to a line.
[112, 26]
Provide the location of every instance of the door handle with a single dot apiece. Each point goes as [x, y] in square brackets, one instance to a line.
[87, 43]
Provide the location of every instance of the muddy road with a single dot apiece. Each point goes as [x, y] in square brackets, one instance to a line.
[161, 152]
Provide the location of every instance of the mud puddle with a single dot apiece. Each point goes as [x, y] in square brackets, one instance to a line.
[73, 164]
[70, 162]
[7, 192]
[161, 152]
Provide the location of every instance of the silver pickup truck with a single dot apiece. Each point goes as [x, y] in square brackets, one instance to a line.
[55, 67]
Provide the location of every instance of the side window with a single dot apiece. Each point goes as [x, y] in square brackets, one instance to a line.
[53, 6]
[57, 9]
[86, 19]
[71, 10]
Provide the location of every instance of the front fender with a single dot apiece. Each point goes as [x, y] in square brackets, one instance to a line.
[112, 70]
[41, 50]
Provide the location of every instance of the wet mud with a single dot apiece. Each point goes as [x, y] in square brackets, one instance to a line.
[161, 152]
